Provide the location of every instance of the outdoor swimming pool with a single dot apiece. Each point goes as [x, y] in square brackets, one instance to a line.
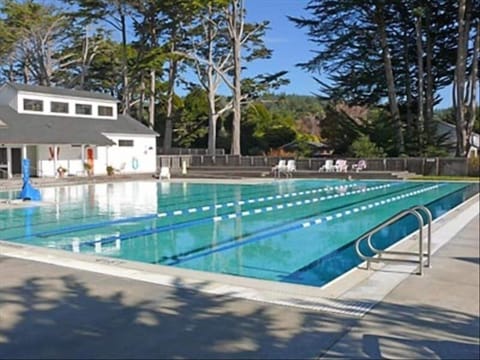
[297, 231]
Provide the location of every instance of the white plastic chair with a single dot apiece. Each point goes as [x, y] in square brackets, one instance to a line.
[361, 165]
[291, 167]
[341, 165]
[280, 167]
[328, 166]
[164, 173]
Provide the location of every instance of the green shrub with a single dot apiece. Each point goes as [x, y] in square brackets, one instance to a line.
[363, 147]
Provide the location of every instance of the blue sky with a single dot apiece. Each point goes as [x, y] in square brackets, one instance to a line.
[290, 45]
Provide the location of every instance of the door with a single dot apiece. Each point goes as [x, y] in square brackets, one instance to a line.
[3, 163]
[16, 161]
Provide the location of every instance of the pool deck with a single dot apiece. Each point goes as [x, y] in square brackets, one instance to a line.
[50, 311]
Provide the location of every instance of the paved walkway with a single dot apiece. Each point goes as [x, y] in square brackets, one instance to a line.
[55, 312]
[434, 316]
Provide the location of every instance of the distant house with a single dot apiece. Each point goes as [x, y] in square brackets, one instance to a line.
[59, 128]
[449, 131]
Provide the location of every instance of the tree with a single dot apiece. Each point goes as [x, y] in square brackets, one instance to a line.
[220, 33]
[114, 13]
[363, 147]
[371, 51]
[33, 34]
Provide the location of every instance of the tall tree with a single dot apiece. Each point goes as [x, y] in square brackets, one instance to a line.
[34, 33]
[460, 82]
[210, 57]
[114, 13]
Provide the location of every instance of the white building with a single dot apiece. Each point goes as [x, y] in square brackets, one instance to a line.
[60, 128]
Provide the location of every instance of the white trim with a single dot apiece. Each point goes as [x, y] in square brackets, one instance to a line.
[72, 101]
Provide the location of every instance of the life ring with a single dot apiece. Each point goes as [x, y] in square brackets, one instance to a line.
[135, 163]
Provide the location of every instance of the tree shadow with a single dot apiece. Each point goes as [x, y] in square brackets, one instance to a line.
[473, 260]
[71, 314]
[64, 317]
[394, 331]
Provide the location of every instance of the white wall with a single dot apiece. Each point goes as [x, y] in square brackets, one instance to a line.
[142, 154]
[141, 158]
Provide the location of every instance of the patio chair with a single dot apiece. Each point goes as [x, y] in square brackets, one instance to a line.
[164, 173]
[360, 165]
[281, 167]
[341, 165]
[328, 166]
[291, 167]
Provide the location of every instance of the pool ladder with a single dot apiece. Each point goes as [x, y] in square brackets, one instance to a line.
[379, 254]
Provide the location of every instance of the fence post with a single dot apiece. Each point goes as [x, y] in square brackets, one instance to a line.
[437, 166]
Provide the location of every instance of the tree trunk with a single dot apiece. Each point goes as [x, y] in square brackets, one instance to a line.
[408, 89]
[421, 124]
[172, 74]
[430, 79]
[237, 15]
[141, 103]
[472, 113]
[460, 78]
[151, 102]
[212, 124]
[392, 96]
[126, 96]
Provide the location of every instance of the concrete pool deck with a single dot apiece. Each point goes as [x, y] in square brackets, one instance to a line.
[49, 311]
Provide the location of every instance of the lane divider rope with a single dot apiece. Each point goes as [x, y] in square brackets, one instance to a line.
[126, 236]
[176, 212]
[298, 226]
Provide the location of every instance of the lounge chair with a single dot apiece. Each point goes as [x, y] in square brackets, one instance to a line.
[328, 166]
[163, 173]
[341, 166]
[361, 165]
[291, 167]
[281, 167]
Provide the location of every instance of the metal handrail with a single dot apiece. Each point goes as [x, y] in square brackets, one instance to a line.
[411, 211]
[379, 252]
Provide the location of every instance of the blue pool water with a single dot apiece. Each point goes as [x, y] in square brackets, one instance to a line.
[298, 231]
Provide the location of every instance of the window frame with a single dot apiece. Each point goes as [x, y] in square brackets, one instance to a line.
[59, 102]
[84, 105]
[105, 107]
[37, 101]
[125, 143]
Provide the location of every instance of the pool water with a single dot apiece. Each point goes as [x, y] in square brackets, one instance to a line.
[298, 231]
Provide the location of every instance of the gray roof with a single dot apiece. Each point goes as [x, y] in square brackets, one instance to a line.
[48, 129]
[61, 91]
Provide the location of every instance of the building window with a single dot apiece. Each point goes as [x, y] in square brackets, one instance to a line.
[59, 107]
[105, 110]
[124, 142]
[32, 105]
[83, 109]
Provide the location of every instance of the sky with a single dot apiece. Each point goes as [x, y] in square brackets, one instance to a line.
[291, 46]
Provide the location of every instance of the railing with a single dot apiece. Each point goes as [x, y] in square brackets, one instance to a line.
[379, 254]
[421, 166]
